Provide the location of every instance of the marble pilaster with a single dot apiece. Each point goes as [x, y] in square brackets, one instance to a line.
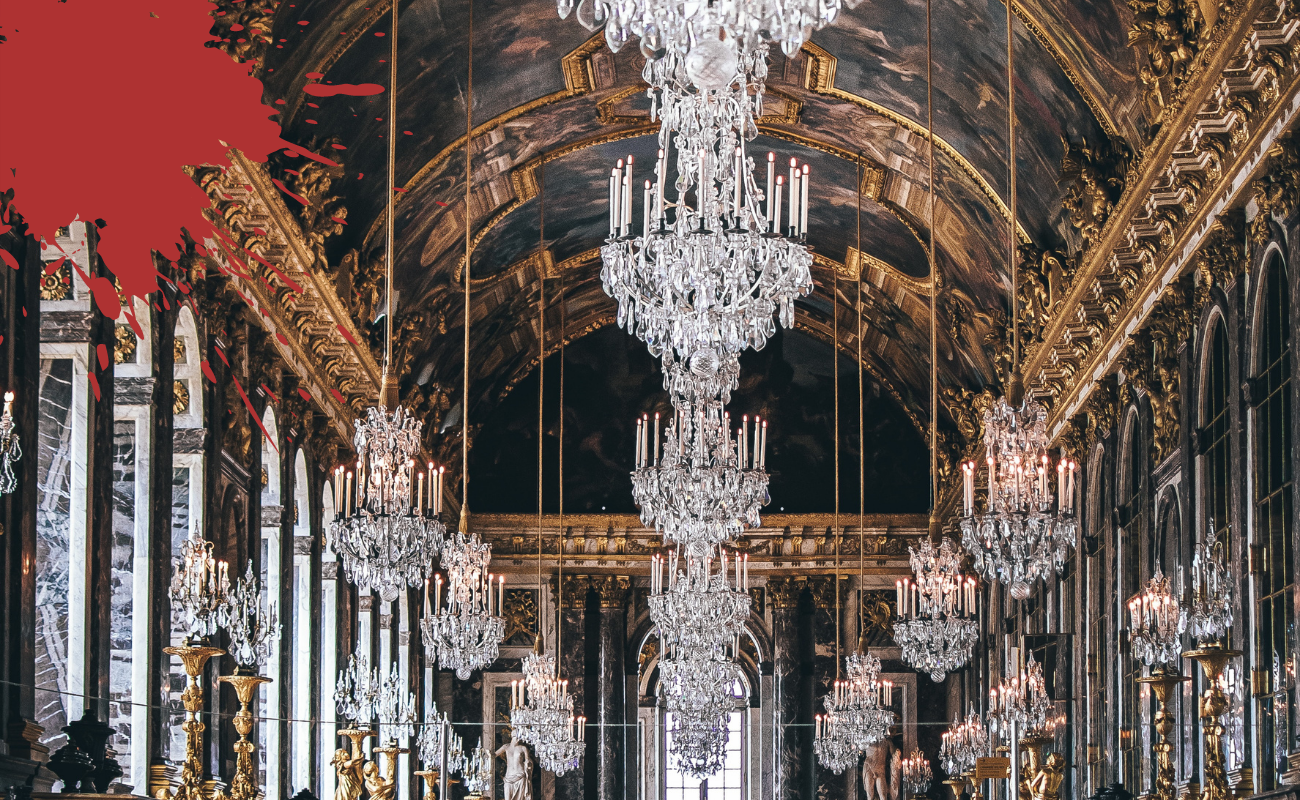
[572, 660]
[611, 734]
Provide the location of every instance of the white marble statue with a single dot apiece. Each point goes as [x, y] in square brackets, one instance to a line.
[519, 770]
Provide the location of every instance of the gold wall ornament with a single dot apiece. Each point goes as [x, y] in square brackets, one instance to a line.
[1213, 704]
[1277, 190]
[57, 285]
[1221, 256]
[1094, 176]
[1161, 684]
[194, 658]
[382, 785]
[244, 785]
[124, 345]
[178, 350]
[1167, 37]
[180, 397]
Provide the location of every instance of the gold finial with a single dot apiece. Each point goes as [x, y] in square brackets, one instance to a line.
[464, 519]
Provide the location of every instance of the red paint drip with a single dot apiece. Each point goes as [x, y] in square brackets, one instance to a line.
[304, 394]
[349, 89]
[346, 335]
[94, 383]
[8, 259]
[102, 351]
[207, 371]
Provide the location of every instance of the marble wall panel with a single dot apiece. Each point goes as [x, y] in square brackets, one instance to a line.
[120, 694]
[54, 456]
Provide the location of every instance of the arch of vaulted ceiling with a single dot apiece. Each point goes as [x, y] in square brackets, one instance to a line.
[548, 94]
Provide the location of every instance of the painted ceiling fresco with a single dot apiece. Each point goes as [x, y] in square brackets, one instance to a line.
[553, 106]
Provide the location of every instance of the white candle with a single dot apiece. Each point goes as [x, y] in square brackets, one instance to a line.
[771, 170]
[803, 216]
[762, 461]
[501, 595]
[661, 170]
[776, 204]
[645, 212]
[437, 594]
[793, 180]
[898, 597]
[348, 508]
[735, 203]
[419, 497]
[613, 203]
[637, 443]
[656, 438]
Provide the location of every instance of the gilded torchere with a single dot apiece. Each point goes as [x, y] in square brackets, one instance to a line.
[244, 786]
[194, 657]
[1161, 683]
[1212, 707]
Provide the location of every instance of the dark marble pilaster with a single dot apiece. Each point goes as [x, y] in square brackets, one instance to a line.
[99, 480]
[611, 735]
[163, 331]
[793, 743]
[572, 658]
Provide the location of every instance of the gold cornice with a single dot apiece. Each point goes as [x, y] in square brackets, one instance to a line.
[771, 522]
[819, 78]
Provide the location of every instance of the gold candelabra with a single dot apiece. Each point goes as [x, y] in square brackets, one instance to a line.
[956, 784]
[349, 766]
[1162, 683]
[244, 785]
[1214, 703]
[430, 782]
[194, 658]
[383, 786]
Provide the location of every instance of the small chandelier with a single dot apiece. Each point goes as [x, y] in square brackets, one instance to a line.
[541, 714]
[1209, 615]
[478, 772]
[1156, 623]
[703, 486]
[936, 625]
[915, 772]
[466, 632]
[433, 740]
[964, 742]
[703, 284]
[250, 627]
[1022, 701]
[1019, 539]
[199, 588]
[832, 743]
[387, 532]
[396, 713]
[11, 448]
[357, 690]
[857, 713]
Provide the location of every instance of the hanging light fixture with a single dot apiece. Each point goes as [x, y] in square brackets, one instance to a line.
[200, 585]
[1209, 615]
[914, 771]
[356, 690]
[1019, 538]
[386, 531]
[963, 743]
[396, 713]
[250, 625]
[936, 625]
[11, 448]
[466, 633]
[699, 698]
[703, 284]
[1022, 701]
[1156, 623]
[703, 485]
[478, 772]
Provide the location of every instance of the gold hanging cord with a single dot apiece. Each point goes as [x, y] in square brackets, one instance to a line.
[464, 398]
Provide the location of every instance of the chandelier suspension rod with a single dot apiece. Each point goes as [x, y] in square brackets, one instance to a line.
[541, 368]
[392, 206]
[559, 569]
[862, 453]
[1011, 169]
[934, 274]
[469, 138]
[835, 373]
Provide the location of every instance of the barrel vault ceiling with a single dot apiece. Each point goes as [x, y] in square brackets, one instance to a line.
[553, 108]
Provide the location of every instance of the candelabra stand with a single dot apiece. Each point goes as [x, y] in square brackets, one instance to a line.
[1161, 683]
[194, 658]
[1033, 744]
[386, 785]
[430, 782]
[357, 735]
[244, 785]
[1212, 706]
[974, 784]
[956, 784]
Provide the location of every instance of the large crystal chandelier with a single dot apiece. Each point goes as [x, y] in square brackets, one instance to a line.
[541, 714]
[251, 625]
[936, 626]
[386, 532]
[1156, 623]
[11, 448]
[686, 29]
[199, 588]
[1209, 615]
[702, 486]
[1027, 530]
[395, 709]
[964, 742]
[1022, 701]
[464, 633]
[703, 284]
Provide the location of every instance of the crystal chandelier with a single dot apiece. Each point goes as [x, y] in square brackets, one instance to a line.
[936, 626]
[11, 448]
[1022, 701]
[687, 29]
[702, 486]
[831, 741]
[433, 740]
[704, 286]
[1156, 623]
[541, 714]
[699, 601]
[857, 713]
[478, 772]
[964, 742]
[464, 634]
[1019, 538]
[396, 713]
[199, 588]
[386, 532]
[251, 625]
[1209, 614]
[915, 772]
[356, 691]
[699, 698]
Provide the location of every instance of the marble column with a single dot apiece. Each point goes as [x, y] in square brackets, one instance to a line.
[99, 556]
[611, 735]
[20, 318]
[821, 627]
[163, 332]
[571, 656]
[792, 742]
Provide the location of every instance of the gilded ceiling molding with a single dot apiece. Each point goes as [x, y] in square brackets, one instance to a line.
[312, 331]
[608, 115]
[578, 81]
[1047, 38]
[819, 78]
[1246, 94]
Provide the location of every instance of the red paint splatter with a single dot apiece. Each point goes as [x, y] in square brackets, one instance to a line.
[8, 259]
[346, 335]
[269, 393]
[54, 265]
[207, 371]
[304, 394]
[94, 383]
[285, 189]
[281, 338]
[350, 89]
[337, 395]
[53, 45]
[102, 350]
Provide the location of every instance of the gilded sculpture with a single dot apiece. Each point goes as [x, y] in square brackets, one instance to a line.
[1093, 175]
[1167, 33]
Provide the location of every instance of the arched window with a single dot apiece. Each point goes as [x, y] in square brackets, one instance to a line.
[1275, 586]
[1214, 436]
[329, 615]
[729, 783]
[273, 570]
[1134, 482]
